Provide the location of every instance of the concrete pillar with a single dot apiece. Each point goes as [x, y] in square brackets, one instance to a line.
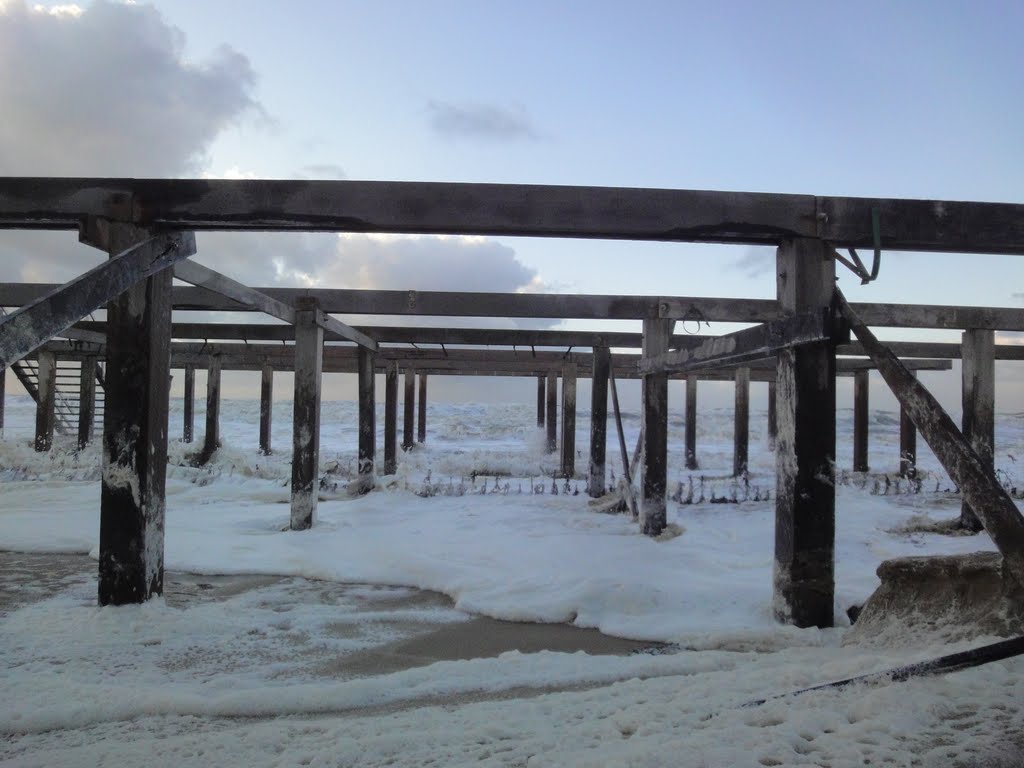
[409, 409]
[860, 421]
[266, 408]
[653, 515]
[552, 411]
[741, 423]
[569, 420]
[391, 418]
[804, 574]
[690, 426]
[189, 405]
[86, 402]
[309, 362]
[979, 404]
[46, 399]
[597, 476]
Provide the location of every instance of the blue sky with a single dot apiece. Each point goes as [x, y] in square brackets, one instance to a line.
[893, 99]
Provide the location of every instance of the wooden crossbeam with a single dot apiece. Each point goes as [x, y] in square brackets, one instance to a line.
[342, 331]
[203, 277]
[742, 347]
[57, 310]
[514, 209]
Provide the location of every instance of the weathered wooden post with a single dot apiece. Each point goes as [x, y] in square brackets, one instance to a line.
[741, 421]
[189, 405]
[540, 402]
[773, 421]
[46, 401]
[421, 425]
[409, 409]
[691, 422]
[597, 476]
[367, 420]
[266, 408]
[552, 410]
[860, 421]
[908, 442]
[3, 397]
[804, 573]
[86, 401]
[136, 409]
[391, 418]
[653, 515]
[977, 349]
[309, 362]
[569, 420]
[211, 440]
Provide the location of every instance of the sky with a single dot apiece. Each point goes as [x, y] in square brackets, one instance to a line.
[909, 99]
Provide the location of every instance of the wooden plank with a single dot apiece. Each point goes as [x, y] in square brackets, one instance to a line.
[653, 513]
[46, 400]
[860, 421]
[266, 408]
[979, 485]
[597, 473]
[552, 411]
[804, 573]
[568, 463]
[367, 419]
[978, 375]
[691, 422]
[391, 418]
[189, 271]
[409, 410]
[135, 413]
[309, 345]
[421, 414]
[57, 310]
[86, 402]
[741, 423]
[188, 409]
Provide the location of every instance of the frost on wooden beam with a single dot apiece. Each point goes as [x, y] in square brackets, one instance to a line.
[36, 323]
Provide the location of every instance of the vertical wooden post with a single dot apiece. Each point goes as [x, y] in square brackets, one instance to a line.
[979, 404]
[597, 476]
[691, 422]
[860, 421]
[421, 425]
[409, 409]
[86, 401]
[136, 409]
[569, 420]
[804, 574]
[540, 402]
[211, 440]
[309, 364]
[3, 397]
[367, 419]
[908, 443]
[46, 399]
[189, 405]
[391, 418]
[653, 514]
[773, 422]
[741, 429]
[552, 410]
[266, 408]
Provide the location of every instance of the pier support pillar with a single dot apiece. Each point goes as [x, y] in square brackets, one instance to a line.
[908, 443]
[804, 573]
[540, 402]
[741, 423]
[690, 426]
[367, 420]
[189, 405]
[860, 421]
[391, 418]
[309, 365]
[46, 402]
[3, 397]
[569, 420]
[211, 440]
[979, 404]
[86, 402]
[421, 424]
[773, 421]
[552, 411]
[597, 476]
[409, 409]
[266, 408]
[653, 516]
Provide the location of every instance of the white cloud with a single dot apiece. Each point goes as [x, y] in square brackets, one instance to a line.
[482, 121]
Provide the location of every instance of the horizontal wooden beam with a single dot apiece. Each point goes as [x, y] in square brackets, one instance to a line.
[515, 210]
[939, 349]
[57, 310]
[743, 347]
